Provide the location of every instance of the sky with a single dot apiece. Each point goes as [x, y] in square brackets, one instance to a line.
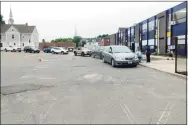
[58, 19]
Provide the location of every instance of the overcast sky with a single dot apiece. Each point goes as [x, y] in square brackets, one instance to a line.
[58, 19]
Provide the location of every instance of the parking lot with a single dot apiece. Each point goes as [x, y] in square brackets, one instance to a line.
[70, 89]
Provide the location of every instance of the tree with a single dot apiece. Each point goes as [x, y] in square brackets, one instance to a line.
[76, 40]
[43, 40]
[1, 20]
[62, 40]
[83, 43]
[102, 36]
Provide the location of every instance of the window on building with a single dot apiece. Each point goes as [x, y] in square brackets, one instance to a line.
[23, 44]
[12, 36]
[12, 29]
[14, 44]
[179, 16]
[29, 40]
[151, 25]
[0, 36]
[22, 36]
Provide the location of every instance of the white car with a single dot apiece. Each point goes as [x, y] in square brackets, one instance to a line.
[11, 49]
[58, 50]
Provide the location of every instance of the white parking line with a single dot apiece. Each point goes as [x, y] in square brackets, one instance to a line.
[164, 113]
[124, 110]
[47, 78]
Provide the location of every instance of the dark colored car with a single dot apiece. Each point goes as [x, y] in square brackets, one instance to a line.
[47, 50]
[98, 52]
[31, 49]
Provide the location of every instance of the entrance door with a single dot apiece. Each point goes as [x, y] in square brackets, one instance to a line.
[133, 47]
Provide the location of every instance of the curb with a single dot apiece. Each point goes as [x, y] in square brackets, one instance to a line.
[174, 74]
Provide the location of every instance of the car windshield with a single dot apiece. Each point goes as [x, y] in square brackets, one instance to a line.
[57, 48]
[121, 50]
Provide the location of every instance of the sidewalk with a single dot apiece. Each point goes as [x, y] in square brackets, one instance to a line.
[162, 64]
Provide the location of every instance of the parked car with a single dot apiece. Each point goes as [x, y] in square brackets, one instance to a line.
[70, 49]
[58, 50]
[98, 51]
[82, 51]
[12, 49]
[120, 55]
[48, 49]
[31, 49]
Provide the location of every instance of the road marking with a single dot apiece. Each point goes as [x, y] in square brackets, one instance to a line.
[169, 104]
[41, 67]
[43, 116]
[133, 117]
[26, 76]
[47, 78]
[169, 112]
[124, 110]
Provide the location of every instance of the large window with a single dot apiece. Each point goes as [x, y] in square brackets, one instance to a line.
[151, 25]
[179, 16]
[12, 36]
[144, 28]
[151, 42]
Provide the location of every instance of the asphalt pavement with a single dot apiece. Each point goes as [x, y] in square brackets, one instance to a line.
[68, 89]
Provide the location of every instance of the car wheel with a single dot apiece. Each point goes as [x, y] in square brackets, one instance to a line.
[82, 54]
[113, 63]
[5, 50]
[62, 52]
[103, 60]
[52, 52]
[75, 53]
[134, 65]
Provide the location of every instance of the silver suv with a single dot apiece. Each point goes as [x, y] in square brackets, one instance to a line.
[82, 51]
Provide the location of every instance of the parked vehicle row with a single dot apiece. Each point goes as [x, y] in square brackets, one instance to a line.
[98, 52]
[116, 55]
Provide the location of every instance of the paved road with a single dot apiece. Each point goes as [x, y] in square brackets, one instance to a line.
[67, 89]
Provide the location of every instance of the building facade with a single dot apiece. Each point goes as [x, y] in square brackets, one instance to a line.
[158, 32]
[105, 41]
[18, 35]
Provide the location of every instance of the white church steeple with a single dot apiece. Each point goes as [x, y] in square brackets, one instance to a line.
[11, 20]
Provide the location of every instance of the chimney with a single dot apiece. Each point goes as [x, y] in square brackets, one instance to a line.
[26, 24]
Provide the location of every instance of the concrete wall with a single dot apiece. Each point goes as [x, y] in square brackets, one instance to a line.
[112, 39]
[162, 32]
[137, 33]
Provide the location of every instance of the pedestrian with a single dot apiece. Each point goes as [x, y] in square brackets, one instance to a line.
[148, 53]
[139, 54]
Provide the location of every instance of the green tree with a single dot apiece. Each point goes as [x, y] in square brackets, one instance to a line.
[62, 40]
[83, 43]
[102, 36]
[43, 40]
[76, 40]
[1, 20]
